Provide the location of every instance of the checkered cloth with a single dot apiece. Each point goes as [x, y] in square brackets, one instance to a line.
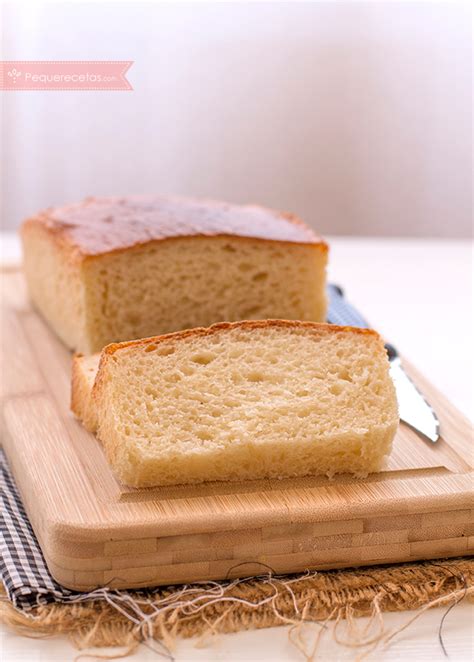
[340, 311]
[23, 570]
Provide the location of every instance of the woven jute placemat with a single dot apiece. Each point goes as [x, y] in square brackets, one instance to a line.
[128, 618]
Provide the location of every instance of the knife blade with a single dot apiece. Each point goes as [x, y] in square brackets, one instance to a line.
[413, 408]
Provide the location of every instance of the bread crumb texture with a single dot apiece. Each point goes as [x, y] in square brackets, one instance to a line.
[183, 284]
[242, 402]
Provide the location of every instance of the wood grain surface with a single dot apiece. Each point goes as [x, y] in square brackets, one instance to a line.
[94, 531]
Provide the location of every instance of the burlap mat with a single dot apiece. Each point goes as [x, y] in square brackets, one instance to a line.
[120, 618]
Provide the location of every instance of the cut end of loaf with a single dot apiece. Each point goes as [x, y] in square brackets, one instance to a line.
[241, 401]
[84, 372]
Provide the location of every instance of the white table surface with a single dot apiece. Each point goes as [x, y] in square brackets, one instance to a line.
[419, 294]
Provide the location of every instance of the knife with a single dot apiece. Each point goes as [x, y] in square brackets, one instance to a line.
[414, 410]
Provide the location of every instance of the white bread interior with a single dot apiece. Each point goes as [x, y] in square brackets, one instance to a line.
[248, 400]
[187, 283]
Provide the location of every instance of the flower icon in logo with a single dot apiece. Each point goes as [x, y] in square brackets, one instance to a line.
[14, 73]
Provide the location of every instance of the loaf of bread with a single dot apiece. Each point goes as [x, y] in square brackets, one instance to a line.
[247, 400]
[113, 269]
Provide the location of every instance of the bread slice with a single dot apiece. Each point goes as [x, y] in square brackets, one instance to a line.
[84, 372]
[113, 269]
[247, 400]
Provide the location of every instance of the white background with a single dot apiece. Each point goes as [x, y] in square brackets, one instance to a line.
[355, 115]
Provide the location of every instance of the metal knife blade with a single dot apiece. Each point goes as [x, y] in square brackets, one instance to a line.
[414, 410]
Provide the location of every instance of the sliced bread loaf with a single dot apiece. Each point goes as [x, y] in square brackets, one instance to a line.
[247, 400]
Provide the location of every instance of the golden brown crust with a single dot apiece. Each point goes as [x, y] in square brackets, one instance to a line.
[77, 402]
[318, 328]
[99, 226]
[84, 373]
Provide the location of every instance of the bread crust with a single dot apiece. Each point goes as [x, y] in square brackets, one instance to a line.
[77, 402]
[103, 226]
[84, 373]
[319, 328]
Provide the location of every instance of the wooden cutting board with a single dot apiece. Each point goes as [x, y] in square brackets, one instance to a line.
[94, 531]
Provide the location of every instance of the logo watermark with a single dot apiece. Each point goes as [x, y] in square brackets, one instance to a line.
[65, 75]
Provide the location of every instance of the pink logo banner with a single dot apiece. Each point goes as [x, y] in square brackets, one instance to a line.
[64, 75]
